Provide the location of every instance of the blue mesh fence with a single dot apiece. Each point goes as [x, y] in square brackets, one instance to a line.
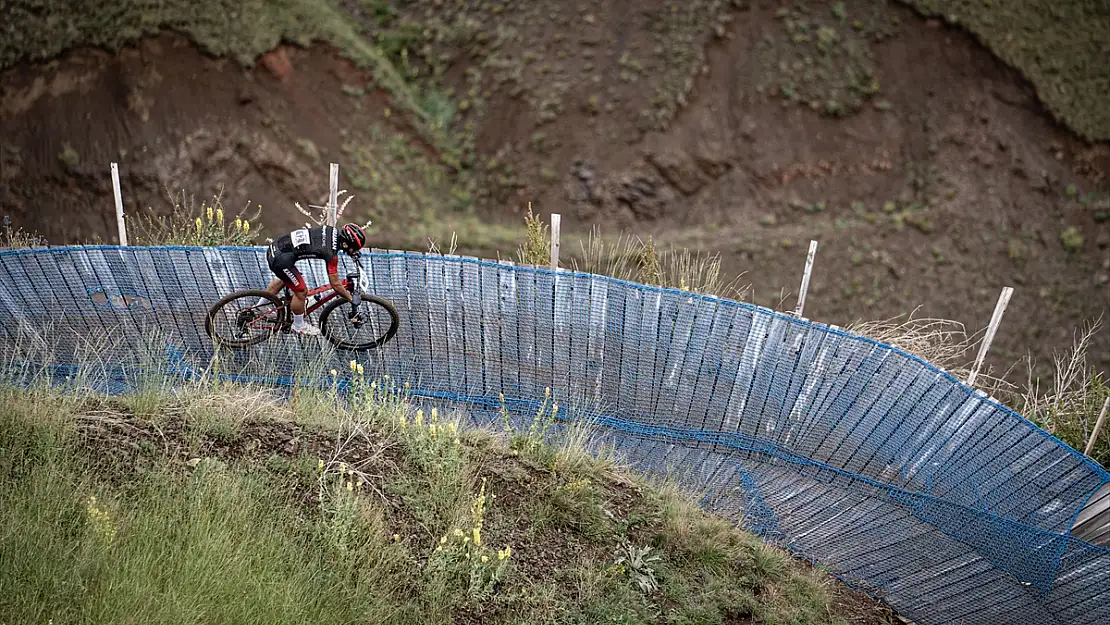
[890, 472]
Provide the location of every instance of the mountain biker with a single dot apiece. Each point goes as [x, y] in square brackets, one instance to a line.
[323, 243]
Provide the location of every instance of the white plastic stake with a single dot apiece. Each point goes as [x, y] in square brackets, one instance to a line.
[333, 194]
[119, 205]
[555, 219]
[805, 279]
[996, 318]
[1098, 427]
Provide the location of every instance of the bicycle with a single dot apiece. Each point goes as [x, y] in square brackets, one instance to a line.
[260, 321]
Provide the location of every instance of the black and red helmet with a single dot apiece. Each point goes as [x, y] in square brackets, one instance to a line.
[354, 236]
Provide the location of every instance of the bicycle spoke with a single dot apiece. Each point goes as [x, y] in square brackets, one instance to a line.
[242, 320]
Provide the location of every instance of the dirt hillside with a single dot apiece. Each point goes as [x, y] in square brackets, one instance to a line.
[927, 168]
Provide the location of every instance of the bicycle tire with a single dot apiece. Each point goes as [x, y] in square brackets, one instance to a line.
[395, 322]
[225, 300]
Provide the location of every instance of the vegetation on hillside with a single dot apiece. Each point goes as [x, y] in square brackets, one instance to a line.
[220, 503]
[1061, 47]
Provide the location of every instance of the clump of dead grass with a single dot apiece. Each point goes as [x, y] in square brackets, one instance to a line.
[634, 259]
[942, 342]
[1068, 406]
[17, 238]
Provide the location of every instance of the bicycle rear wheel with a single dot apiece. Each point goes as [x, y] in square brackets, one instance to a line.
[381, 322]
[239, 320]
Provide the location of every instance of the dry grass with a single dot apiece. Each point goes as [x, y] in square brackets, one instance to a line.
[536, 249]
[942, 342]
[631, 258]
[191, 223]
[16, 238]
[1067, 409]
[1070, 406]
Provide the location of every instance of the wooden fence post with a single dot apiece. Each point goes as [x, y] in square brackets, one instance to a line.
[1098, 427]
[996, 318]
[119, 205]
[333, 194]
[555, 221]
[805, 279]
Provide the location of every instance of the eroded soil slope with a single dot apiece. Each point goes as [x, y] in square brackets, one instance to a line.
[926, 168]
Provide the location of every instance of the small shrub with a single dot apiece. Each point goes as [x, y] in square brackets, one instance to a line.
[1069, 408]
[1071, 239]
[69, 157]
[205, 225]
[16, 238]
[651, 270]
[536, 249]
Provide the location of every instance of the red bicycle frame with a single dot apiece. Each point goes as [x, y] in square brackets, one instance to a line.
[312, 294]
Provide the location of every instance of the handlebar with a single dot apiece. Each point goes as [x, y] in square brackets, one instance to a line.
[355, 279]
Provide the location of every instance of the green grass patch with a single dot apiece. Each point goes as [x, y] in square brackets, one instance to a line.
[821, 56]
[230, 507]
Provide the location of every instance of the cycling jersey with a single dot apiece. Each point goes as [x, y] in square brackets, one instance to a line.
[285, 251]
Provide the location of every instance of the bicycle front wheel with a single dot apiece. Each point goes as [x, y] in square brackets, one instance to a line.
[379, 325]
[240, 320]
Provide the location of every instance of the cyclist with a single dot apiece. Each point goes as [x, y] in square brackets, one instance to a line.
[323, 243]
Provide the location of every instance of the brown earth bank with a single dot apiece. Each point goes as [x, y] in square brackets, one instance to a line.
[942, 183]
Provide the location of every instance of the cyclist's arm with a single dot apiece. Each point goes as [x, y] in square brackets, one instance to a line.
[336, 283]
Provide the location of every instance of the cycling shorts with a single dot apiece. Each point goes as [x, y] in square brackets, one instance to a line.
[284, 266]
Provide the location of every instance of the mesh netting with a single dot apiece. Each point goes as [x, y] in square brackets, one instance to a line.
[900, 479]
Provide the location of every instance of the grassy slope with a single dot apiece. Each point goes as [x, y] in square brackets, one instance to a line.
[1061, 47]
[262, 517]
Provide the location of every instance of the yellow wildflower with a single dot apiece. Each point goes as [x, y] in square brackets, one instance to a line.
[238, 223]
[334, 373]
[200, 225]
[246, 226]
[354, 366]
[439, 549]
[342, 467]
[320, 465]
[220, 216]
[432, 430]
[485, 559]
[350, 486]
[360, 370]
[396, 538]
[419, 421]
[403, 421]
[442, 540]
[459, 532]
[477, 536]
[435, 415]
[209, 213]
